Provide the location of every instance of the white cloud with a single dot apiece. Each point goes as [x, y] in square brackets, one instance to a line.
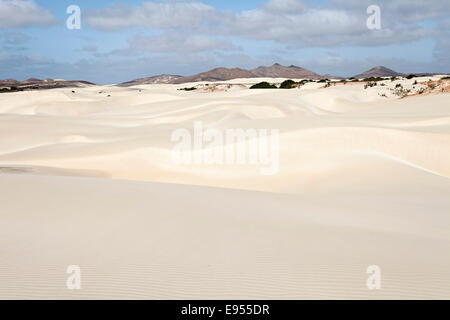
[400, 11]
[171, 14]
[293, 22]
[336, 24]
[176, 42]
[24, 13]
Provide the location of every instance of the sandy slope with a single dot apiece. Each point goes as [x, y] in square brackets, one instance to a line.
[363, 180]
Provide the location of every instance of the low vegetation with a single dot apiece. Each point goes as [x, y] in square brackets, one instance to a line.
[400, 91]
[370, 85]
[373, 79]
[263, 85]
[288, 84]
[12, 89]
[188, 89]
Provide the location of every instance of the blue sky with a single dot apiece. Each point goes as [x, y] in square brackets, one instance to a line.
[120, 41]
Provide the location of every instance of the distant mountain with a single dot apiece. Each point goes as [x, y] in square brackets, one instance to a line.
[161, 79]
[379, 71]
[38, 84]
[427, 74]
[274, 71]
[329, 76]
[8, 82]
[218, 74]
[279, 71]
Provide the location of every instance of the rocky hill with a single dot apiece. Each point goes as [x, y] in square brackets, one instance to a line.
[379, 71]
[160, 79]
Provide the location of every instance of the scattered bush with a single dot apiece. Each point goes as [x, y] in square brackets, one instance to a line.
[373, 79]
[400, 91]
[288, 84]
[446, 78]
[188, 89]
[263, 85]
[370, 85]
[11, 89]
[323, 80]
[410, 76]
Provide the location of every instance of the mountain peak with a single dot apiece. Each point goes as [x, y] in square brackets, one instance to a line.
[160, 79]
[223, 74]
[280, 71]
[378, 71]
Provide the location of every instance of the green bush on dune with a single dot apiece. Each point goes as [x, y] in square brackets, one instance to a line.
[263, 85]
[288, 84]
[373, 79]
[11, 89]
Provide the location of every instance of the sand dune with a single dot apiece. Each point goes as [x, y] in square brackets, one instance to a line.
[87, 178]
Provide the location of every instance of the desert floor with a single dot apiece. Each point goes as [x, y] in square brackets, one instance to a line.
[87, 179]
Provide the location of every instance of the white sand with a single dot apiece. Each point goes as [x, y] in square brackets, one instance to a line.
[88, 180]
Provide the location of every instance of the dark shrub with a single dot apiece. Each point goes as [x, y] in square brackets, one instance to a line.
[11, 89]
[373, 79]
[288, 84]
[263, 85]
[410, 76]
